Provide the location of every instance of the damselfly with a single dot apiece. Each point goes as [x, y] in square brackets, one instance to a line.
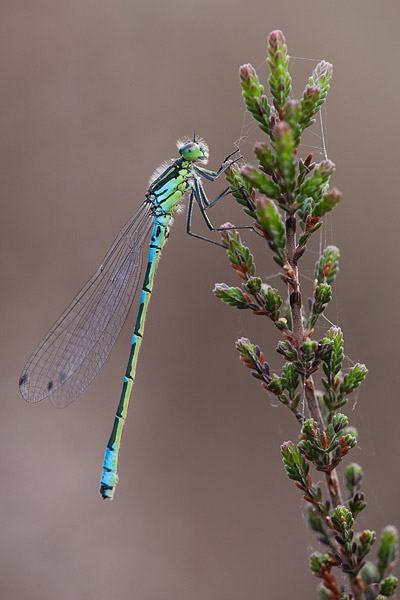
[77, 346]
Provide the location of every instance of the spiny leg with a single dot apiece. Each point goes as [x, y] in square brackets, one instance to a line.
[189, 224]
[199, 195]
[208, 204]
[213, 175]
[204, 204]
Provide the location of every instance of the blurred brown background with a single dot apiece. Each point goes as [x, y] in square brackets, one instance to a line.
[93, 96]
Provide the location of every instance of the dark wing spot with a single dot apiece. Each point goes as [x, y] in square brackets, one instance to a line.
[23, 379]
[50, 385]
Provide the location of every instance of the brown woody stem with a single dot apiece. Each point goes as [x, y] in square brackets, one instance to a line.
[298, 334]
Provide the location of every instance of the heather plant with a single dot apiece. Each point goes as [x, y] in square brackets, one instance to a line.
[287, 196]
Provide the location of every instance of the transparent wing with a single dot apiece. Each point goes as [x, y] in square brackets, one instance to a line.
[77, 346]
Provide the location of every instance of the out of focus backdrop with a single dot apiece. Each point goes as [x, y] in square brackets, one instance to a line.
[94, 95]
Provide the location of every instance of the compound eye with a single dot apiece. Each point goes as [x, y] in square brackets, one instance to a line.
[190, 151]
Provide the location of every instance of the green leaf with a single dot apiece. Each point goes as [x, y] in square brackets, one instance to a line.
[252, 357]
[239, 255]
[327, 266]
[272, 223]
[343, 520]
[354, 377]
[319, 563]
[323, 293]
[253, 285]
[247, 350]
[232, 296]
[287, 350]
[308, 349]
[309, 106]
[322, 296]
[295, 464]
[241, 189]
[285, 149]
[334, 340]
[369, 573]
[321, 78]
[315, 93]
[272, 301]
[314, 187]
[364, 542]
[253, 94]
[388, 550]
[354, 475]
[389, 586]
[290, 377]
[326, 202]
[280, 82]
[292, 116]
[260, 181]
[265, 157]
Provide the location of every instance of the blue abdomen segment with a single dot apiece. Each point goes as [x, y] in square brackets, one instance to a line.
[109, 478]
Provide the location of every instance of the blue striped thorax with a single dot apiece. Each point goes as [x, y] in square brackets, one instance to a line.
[169, 183]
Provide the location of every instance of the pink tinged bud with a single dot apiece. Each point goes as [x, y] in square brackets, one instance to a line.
[292, 105]
[247, 171]
[227, 226]
[334, 195]
[322, 70]
[281, 128]
[262, 203]
[259, 148]
[311, 91]
[247, 73]
[326, 167]
[276, 38]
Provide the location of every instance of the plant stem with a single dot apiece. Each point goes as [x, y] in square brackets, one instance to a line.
[355, 586]
[293, 283]
[298, 334]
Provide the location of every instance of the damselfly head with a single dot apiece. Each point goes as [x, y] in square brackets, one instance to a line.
[193, 150]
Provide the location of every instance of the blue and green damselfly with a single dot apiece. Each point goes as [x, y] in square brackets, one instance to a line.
[79, 343]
